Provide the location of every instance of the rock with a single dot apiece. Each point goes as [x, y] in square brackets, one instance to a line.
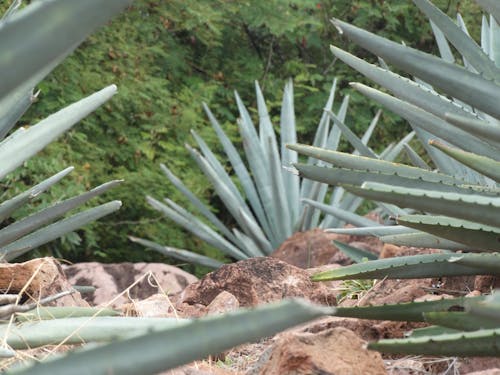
[201, 368]
[223, 303]
[112, 279]
[491, 371]
[334, 351]
[479, 365]
[155, 306]
[38, 278]
[486, 283]
[310, 249]
[391, 251]
[255, 281]
[391, 291]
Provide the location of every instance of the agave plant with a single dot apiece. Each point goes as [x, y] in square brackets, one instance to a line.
[273, 203]
[454, 111]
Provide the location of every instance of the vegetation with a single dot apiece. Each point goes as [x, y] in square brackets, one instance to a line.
[455, 207]
[46, 32]
[167, 57]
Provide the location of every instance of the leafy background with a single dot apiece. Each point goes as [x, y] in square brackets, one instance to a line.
[166, 58]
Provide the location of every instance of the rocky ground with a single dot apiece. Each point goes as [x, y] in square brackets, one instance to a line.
[330, 345]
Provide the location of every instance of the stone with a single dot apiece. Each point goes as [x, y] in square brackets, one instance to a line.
[38, 278]
[255, 281]
[336, 351]
[223, 303]
[155, 306]
[110, 280]
[310, 249]
[491, 371]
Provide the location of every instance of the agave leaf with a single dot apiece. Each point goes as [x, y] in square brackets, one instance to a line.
[377, 231]
[288, 157]
[58, 312]
[452, 79]
[217, 167]
[489, 263]
[361, 163]
[285, 213]
[425, 240]
[369, 131]
[459, 320]
[243, 175]
[266, 130]
[12, 108]
[351, 137]
[322, 131]
[46, 216]
[487, 309]
[394, 151]
[44, 31]
[173, 347]
[491, 6]
[343, 215]
[184, 255]
[481, 209]
[232, 202]
[494, 34]
[320, 140]
[489, 132]
[13, 8]
[38, 136]
[484, 342]
[431, 331]
[259, 168]
[460, 40]
[411, 267]
[355, 254]
[9, 206]
[443, 46]
[57, 229]
[198, 204]
[79, 330]
[476, 236]
[257, 235]
[403, 88]
[203, 232]
[249, 245]
[410, 311]
[429, 122]
[443, 162]
[415, 158]
[343, 176]
[482, 164]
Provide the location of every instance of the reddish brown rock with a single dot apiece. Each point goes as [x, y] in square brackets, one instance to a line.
[335, 351]
[112, 279]
[257, 280]
[36, 279]
[491, 371]
[481, 365]
[310, 249]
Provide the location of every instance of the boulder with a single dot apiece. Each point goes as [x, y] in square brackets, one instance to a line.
[311, 249]
[255, 281]
[110, 280]
[38, 278]
[336, 351]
